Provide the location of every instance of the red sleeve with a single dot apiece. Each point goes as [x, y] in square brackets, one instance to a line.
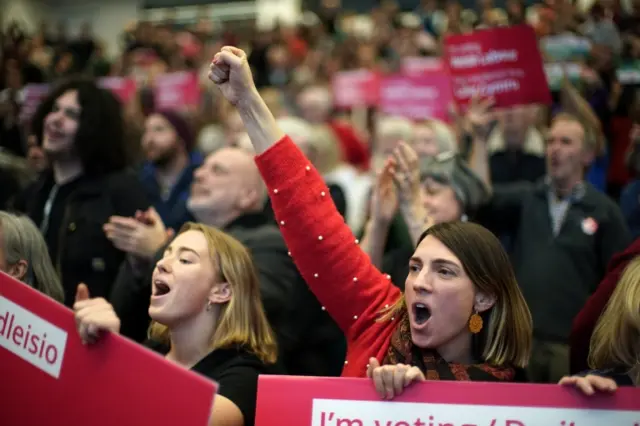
[325, 251]
[585, 322]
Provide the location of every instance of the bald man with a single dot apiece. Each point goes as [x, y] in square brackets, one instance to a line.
[228, 193]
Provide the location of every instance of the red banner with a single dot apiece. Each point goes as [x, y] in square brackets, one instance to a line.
[177, 90]
[123, 87]
[50, 378]
[316, 401]
[503, 63]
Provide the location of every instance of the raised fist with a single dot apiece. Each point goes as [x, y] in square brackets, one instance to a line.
[230, 71]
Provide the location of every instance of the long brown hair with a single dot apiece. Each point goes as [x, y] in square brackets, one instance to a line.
[242, 320]
[506, 336]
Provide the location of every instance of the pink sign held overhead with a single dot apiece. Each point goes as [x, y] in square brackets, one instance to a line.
[50, 378]
[124, 88]
[503, 63]
[417, 97]
[355, 88]
[177, 90]
[318, 401]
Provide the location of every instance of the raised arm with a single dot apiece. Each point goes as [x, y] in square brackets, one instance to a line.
[325, 251]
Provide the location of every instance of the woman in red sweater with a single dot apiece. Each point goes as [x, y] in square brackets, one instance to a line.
[462, 316]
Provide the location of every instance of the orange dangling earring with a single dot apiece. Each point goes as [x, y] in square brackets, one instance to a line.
[475, 323]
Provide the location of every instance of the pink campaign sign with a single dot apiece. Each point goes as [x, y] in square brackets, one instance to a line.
[316, 401]
[124, 88]
[177, 90]
[417, 97]
[417, 65]
[50, 378]
[355, 88]
[31, 96]
[503, 63]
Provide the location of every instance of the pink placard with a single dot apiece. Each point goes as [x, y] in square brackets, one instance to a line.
[31, 96]
[355, 88]
[418, 97]
[123, 87]
[316, 401]
[503, 63]
[177, 90]
[417, 65]
[50, 378]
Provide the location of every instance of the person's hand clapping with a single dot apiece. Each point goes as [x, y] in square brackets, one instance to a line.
[406, 174]
[93, 316]
[384, 202]
[391, 380]
[230, 71]
[590, 384]
[141, 236]
[480, 117]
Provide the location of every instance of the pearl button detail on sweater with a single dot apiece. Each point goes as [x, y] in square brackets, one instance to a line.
[308, 168]
[357, 241]
[282, 222]
[320, 237]
[388, 276]
[275, 191]
[355, 317]
[324, 309]
[322, 194]
[315, 275]
[355, 279]
[346, 362]
[289, 253]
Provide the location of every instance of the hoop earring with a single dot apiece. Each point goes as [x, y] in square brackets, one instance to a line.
[209, 305]
[475, 323]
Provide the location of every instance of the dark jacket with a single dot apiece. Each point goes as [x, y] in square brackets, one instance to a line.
[310, 342]
[173, 209]
[84, 254]
[556, 273]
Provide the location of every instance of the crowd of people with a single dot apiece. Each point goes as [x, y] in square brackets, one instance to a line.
[265, 231]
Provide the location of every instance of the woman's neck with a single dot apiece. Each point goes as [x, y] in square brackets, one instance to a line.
[191, 340]
[65, 171]
[458, 350]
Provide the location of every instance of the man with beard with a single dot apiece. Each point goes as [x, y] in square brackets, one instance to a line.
[167, 175]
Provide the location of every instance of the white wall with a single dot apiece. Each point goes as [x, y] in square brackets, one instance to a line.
[28, 12]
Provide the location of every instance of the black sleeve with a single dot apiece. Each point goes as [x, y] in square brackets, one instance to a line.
[339, 199]
[128, 194]
[502, 212]
[239, 384]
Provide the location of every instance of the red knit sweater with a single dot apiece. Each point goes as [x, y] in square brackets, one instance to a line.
[328, 256]
[585, 322]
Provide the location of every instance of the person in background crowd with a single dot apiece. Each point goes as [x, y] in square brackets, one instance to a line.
[316, 105]
[24, 255]
[630, 195]
[615, 343]
[433, 137]
[81, 130]
[442, 189]
[462, 316]
[207, 317]
[227, 193]
[167, 175]
[389, 132]
[564, 230]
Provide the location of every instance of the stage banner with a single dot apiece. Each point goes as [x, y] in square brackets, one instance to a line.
[503, 63]
[316, 401]
[50, 378]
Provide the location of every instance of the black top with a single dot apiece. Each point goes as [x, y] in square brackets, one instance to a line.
[236, 371]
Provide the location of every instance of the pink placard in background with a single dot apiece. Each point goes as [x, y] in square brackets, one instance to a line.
[418, 97]
[50, 378]
[503, 63]
[31, 96]
[316, 401]
[177, 90]
[123, 87]
[417, 65]
[355, 88]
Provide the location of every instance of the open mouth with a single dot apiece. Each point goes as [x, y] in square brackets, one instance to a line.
[160, 288]
[421, 313]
